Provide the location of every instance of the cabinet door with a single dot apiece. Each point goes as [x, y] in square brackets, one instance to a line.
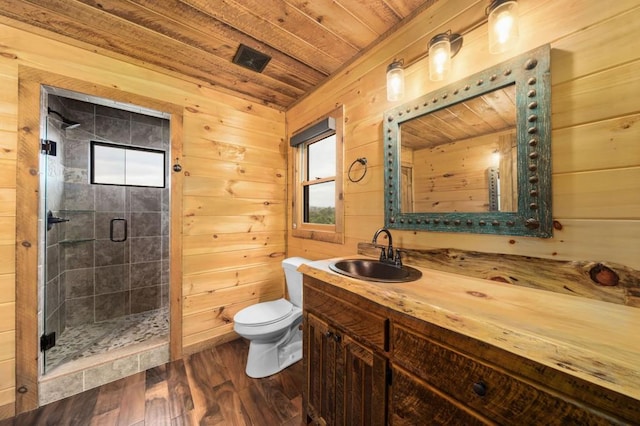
[320, 358]
[346, 382]
[365, 374]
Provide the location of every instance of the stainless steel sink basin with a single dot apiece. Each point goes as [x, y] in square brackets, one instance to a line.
[374, 270]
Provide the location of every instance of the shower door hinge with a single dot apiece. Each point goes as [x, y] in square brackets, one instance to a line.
[49, 147]
[47, 341]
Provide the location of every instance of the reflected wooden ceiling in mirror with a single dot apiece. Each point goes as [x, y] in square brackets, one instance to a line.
[485, 114]
[474, 156]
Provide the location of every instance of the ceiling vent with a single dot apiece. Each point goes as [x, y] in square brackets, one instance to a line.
[250, 58]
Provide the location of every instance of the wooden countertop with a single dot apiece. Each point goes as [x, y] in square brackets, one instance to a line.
[596, 341]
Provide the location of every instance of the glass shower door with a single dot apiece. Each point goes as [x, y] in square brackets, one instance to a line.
[51, 183]
[49, 255]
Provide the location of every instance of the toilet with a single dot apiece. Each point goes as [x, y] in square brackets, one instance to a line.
[273, 328]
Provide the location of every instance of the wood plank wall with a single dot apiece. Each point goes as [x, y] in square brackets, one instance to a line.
[595, 120]
[234, 168]
[234, 155]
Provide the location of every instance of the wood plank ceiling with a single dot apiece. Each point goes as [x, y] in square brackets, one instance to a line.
[307, 40]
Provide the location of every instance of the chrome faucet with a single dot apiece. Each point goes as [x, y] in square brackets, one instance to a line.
[387, 256]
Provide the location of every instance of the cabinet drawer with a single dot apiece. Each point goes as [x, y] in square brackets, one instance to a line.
[487, 390]
[413, 402]
[354, 320]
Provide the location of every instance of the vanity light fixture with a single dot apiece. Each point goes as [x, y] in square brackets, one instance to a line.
[442, 48]
[395, 80]
[503, 25]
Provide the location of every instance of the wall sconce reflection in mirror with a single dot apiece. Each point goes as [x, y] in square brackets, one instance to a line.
[503, 25]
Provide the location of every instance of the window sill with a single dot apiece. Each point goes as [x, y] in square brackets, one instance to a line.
[317, 235]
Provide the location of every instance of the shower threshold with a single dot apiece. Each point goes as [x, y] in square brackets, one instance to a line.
[101, 340]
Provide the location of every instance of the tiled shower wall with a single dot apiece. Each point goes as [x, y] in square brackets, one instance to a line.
[98, 279]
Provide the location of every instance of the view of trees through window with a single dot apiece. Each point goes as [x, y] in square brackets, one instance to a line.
[325, 215]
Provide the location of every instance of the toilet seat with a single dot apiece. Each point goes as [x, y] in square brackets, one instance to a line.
[264, 313]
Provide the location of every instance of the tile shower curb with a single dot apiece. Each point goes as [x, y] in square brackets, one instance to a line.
[85, 374]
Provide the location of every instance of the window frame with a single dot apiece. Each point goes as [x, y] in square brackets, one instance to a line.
[332, 233]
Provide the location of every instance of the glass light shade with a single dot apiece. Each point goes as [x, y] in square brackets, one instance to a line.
[503, 26]
[439, 57]
[395, 81]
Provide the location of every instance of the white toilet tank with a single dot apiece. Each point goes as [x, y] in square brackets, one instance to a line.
[293, 278]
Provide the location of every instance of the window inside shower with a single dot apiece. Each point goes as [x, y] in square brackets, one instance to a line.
[116, 164]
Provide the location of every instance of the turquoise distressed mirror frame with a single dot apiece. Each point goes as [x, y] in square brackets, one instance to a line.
[530, 72]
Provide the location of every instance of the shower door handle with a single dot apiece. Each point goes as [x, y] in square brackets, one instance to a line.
[111, 226]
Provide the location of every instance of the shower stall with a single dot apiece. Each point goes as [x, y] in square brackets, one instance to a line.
[104, 286]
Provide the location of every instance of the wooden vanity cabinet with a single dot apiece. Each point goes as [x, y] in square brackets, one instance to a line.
[368, 364]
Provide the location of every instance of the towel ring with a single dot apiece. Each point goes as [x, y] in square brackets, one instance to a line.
[361, 160]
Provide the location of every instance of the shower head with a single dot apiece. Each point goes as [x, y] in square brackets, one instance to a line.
[66, 123]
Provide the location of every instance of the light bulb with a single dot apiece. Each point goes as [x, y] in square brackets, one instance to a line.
[440, 61]
[503, 26]
[440, 57]
[395, 81]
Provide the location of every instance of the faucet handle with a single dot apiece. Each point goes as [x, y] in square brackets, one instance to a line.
[398, 258]
[383, 251]
[383, 254]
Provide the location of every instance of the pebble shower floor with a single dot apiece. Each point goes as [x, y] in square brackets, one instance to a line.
[90, 339]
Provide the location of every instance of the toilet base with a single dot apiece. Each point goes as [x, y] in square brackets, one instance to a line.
[266, 359]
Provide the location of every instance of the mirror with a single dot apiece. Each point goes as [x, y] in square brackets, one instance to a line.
[475, 155]
[461, 158]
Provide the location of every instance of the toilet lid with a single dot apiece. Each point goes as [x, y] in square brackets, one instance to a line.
[264, 313]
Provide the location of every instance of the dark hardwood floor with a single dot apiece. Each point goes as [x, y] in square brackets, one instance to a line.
[206, 388]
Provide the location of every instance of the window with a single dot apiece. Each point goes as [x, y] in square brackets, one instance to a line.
[113, 164]
[317, 203]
